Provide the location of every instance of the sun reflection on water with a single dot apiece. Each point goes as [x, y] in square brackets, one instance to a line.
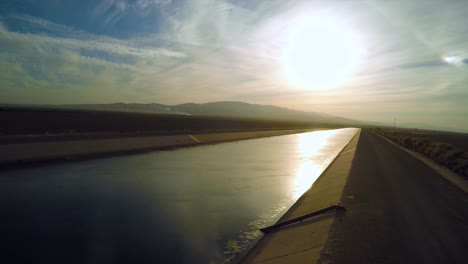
[310, 146]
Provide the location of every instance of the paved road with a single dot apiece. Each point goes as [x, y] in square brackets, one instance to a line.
[398, 211]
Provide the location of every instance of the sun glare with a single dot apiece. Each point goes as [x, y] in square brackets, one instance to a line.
[320, 53]
[310, 146]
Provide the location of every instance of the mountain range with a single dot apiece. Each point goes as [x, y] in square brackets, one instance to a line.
[232, 109]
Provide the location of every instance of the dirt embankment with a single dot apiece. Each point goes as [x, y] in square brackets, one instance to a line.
[443, 153]
[39, 152]
[90, 123]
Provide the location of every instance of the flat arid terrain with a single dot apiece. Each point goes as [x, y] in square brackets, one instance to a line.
[44, 135]
[397, 209]
[87, 123]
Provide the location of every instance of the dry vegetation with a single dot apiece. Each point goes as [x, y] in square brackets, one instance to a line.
[446, 154]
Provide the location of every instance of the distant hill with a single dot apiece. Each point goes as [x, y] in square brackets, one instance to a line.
[218, 109]
[241, 109]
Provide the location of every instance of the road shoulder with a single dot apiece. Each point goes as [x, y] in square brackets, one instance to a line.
[445, 173]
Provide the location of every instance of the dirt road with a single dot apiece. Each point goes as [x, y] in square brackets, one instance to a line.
[398, 211]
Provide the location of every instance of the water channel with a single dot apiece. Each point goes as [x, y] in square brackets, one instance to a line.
[192, 205]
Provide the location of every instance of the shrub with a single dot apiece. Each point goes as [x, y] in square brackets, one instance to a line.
[459, 165]
[422, 144]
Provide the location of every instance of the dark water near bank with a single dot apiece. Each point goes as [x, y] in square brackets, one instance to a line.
[194, 205]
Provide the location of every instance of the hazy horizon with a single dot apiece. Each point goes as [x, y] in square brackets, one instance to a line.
[373, 60]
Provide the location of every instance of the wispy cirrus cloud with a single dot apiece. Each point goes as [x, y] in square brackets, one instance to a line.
[152, 64]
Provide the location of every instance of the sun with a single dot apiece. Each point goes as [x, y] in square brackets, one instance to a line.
[321, 53]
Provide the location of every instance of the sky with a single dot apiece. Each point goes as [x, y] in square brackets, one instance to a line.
[397, 59]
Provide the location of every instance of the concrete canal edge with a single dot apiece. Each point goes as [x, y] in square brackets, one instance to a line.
[20, 154]
[302, 242]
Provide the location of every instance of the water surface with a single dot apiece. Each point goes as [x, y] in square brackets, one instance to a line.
[194, 205]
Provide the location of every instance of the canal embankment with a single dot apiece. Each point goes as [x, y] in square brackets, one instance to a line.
[20, 154]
